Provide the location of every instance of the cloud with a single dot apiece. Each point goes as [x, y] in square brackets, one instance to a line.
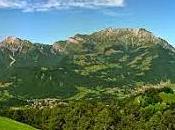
[114, 13]
[45, 5]
[12, 4]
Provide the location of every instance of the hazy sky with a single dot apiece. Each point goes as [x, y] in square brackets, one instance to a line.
[50, 20]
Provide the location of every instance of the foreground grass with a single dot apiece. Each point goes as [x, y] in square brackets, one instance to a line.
[8, 124]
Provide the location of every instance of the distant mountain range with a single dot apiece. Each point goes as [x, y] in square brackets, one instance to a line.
[108, 59]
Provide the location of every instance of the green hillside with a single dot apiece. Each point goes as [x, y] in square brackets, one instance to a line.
[108, 59]
[8, 124]
[113, 79]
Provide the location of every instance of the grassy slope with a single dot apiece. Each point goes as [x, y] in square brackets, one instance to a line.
[8, 124]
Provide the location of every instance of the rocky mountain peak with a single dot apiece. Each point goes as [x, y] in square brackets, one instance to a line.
[15, 41]
[133, 31]
[14, 44]
[11, 41]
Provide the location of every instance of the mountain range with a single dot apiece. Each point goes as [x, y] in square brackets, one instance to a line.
[85, 65]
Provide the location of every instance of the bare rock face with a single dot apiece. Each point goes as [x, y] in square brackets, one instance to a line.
[12, 41]
[75, 40]
[14, 44]
[118, 33]
[58, 47]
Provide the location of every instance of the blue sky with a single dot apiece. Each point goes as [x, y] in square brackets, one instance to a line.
[47, 21]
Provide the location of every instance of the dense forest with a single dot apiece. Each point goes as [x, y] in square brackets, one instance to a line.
[147, 108]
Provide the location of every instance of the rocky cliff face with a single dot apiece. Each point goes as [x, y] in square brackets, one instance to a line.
[15, 45]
